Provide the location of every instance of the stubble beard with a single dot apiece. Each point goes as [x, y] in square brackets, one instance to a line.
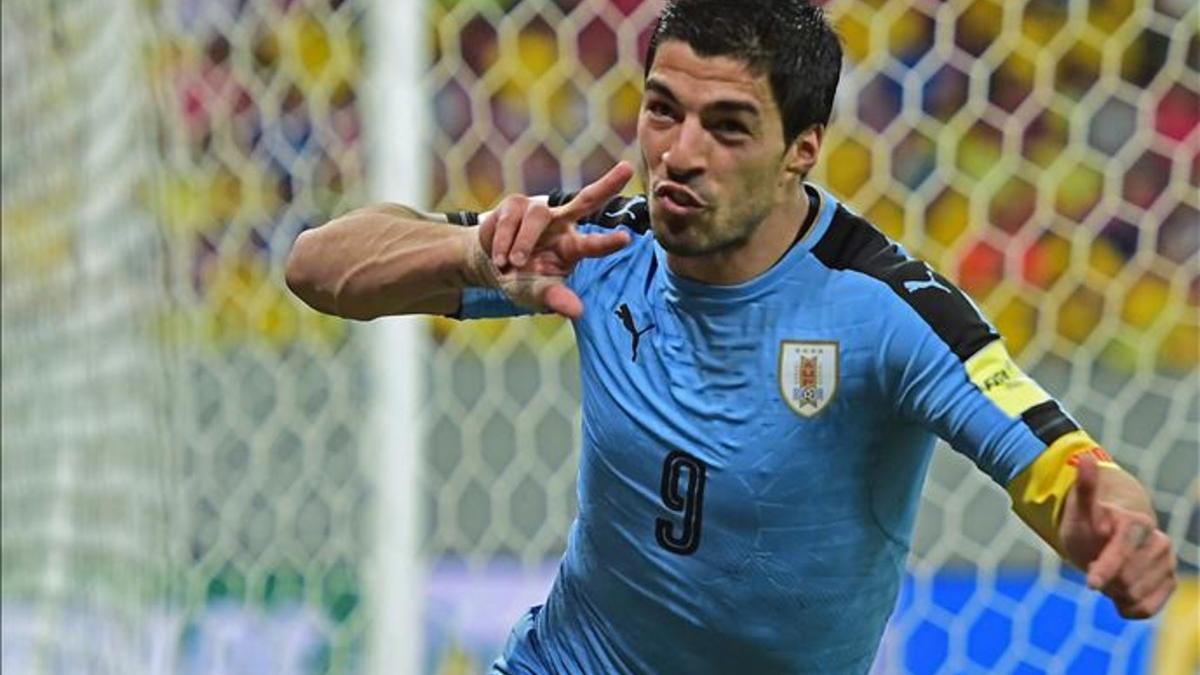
[719, 240]
[728, 239]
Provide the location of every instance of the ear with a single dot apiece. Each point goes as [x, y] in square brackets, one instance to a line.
[802, 153]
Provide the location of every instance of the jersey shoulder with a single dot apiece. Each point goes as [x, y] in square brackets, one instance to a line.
[621, 211]
[631, 212]
[852, 244]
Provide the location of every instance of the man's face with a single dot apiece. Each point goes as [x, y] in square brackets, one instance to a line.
[712, 150]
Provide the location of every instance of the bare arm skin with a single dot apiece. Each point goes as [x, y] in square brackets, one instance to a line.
[389, 259]
[383, 260]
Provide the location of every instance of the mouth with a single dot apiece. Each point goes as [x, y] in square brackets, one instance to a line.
[677, 199]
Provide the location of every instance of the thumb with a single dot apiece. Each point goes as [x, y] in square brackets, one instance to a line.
[563, 301]
[1087, 483]
[539, 292]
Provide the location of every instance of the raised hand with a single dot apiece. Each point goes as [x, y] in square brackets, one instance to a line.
[1122, 550]
[532, 247]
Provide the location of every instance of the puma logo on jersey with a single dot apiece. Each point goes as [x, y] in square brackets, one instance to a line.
[626, 317]
[921, 284]
[627, 209]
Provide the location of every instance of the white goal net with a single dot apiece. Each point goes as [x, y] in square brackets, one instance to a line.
[184, 469]
[84, 506]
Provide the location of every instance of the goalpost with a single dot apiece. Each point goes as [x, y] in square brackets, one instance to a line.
[396, 131]
[199, 474]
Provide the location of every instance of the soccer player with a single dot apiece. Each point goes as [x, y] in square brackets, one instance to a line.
[764, 375]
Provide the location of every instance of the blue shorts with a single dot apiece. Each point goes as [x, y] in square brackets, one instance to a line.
[521, 654]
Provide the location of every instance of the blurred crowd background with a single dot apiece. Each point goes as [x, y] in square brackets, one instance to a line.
[1041, 155]
[1038, 153]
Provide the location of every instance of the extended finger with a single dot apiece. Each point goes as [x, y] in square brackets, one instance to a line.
[596, 194]
[507, 222]
[597, 245]
[1086, 483]
[1112, 557]
[533, 223]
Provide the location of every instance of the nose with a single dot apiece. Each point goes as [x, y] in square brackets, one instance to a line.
[685, 159]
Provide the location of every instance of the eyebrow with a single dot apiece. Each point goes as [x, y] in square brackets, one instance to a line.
[723, 105]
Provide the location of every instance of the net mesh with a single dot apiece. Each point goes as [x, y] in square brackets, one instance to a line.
[84, 510]
[184, 482]
[1042, 154]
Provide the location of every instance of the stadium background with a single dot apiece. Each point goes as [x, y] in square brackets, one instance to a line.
[188, 482]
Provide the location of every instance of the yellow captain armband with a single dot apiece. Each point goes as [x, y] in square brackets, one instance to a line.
[994, 372]
[1039, 492]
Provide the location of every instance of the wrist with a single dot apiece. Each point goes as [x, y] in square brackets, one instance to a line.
[478, 270]
[1121, 489]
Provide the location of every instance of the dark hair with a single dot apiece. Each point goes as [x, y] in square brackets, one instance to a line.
[788, 40]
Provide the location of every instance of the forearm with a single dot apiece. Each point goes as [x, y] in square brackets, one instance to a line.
[384, 260]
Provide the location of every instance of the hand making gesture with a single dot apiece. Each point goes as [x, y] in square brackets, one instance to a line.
[528, 248]
[1123, 552]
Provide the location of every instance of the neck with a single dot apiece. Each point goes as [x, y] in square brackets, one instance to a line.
[769, 242]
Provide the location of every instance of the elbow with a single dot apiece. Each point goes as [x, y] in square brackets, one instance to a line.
[298, 272]
[303, 274]
[311, 279]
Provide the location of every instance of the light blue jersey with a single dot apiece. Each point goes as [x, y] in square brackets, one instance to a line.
[753, 455]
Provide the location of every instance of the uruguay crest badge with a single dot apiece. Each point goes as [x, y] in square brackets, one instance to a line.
[808, 375]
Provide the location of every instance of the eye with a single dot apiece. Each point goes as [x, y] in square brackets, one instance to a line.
[659, 109]
[730, 128]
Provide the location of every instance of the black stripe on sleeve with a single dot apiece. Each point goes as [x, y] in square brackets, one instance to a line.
[464, 218]
[852, 243]
[1048, 422]
[632, 212]
[471, 218]
[557, 197]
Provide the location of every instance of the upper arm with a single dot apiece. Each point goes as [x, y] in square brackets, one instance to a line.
[928, 332]
[939, 360]
[978, 400]
[941, 363]
[950, 371]
[944, 366]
